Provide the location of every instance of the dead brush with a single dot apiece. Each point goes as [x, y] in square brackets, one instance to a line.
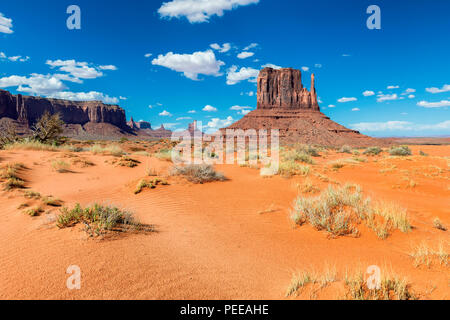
[437, 223]
[10, 174]
[424, 255]
[198, 173]
[126, 161]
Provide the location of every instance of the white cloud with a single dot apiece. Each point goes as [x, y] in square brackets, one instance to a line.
[234, 76]
[411, 96]
[393, 87]
[223, 49]
[201, 62]
[192, 111]
[240, 108]
[216, 124]
[410, 90]
[270, 65]
[318, 65]
[398, 126]
[306, 69]
[439, 104]
[198, 11]
[84, 96]
[346, 55]
[165, 114]
[344, 99]
[78, 70]
[184, 118]
[250, 46]
[368, 93]
[445, 88]
[108, 67]
[36, 84]
[245, 55]
[5, 24]
[331, 106]
[123, 98]
[14, 58]
[209, 108]
[355, 109]
[387, 97]
[148, 55]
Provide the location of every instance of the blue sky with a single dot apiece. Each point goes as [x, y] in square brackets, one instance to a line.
[205, 56]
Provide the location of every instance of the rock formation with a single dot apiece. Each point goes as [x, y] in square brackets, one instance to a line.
[283, 103]
[84, 119]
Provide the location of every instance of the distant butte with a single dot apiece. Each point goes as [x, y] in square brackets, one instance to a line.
[284, 103]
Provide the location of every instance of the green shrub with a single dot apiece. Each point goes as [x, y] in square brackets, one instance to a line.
[373, 151]
[400, 151]
[345, 149]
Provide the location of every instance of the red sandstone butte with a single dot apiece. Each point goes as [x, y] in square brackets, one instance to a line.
[285, 104]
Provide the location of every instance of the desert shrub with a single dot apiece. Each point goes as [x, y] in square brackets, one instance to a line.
[164, 154]
[198, 173]
[345, 149]
[356, 152]
[8, 134]
[294, 155]
[60, 166]
[151, 184]
[113, 150]
[339, 210]
[373, 151]
[438, 224]
[291, 168]
[309, 187]
[32, 194]
[34, 212]
[48, 129]
[400, 151]
[129, 162]
[308, 149]
[51, 201]
[392, 287]
[423, 154]
[10, 174]
[31, 145]
[98, 219]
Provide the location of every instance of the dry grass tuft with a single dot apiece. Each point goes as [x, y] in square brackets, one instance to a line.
[438, 224]
[291, 168]
[424, 255]
[198, 173]
[61, 166]
[339, 210]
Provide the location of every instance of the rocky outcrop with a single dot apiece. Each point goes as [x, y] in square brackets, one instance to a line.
[283, 103]
[144, 125]
[27, 110]
[283, 88]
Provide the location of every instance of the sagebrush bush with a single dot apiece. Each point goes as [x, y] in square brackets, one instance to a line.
[198, 173]
[98, 219]
[400, 151]
[291, 168]
[373, 151]
[345, 149]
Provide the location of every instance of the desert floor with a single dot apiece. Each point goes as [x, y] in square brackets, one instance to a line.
[221, 240]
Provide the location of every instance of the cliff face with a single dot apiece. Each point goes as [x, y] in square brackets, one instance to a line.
[283, 88]
[27, 110]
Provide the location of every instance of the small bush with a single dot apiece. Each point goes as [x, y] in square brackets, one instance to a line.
[423, 154]
[48, 129]
[34, 212]
[61, 166]
[113, 150]
[373, 151]
[198, 173]
[291, 168]
[98, 219]
[164, 154]
[142, 185]
[294, 155]
[345, 149]
[400, 151]
[51, 201]
[129, 162]
[32, 194]
[439, 225]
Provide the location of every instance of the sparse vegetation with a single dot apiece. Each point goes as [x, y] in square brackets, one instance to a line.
[164, 154]
[437, 223]
[373, 151]
[9, 173]
[400, 151]
[392, 287]
[61, 166]
[51, 201]
[151, 184]
[198, 173]
[113, 150]
[32, 194]
[424, 255]
[291, 168]
[345, 149]
[98, 219]
[295, 155]
[127, 161]
[34, 212]
[423, 154]
[338, 211]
